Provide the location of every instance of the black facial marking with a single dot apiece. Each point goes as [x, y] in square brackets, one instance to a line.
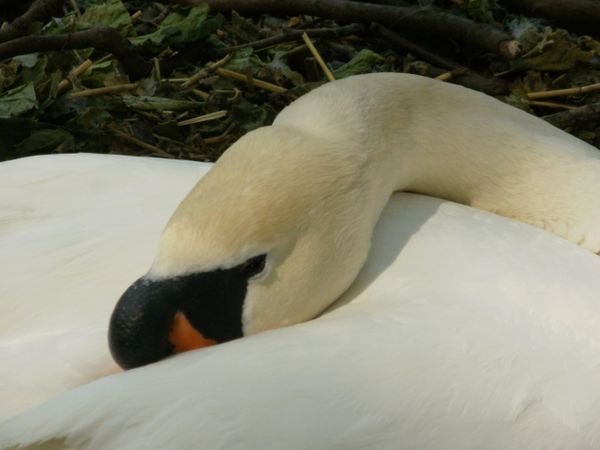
[253, 266]
[212, 302]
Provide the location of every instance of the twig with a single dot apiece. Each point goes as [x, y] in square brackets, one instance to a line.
[407, 45]
[154, 149]
[564, 92]
[565, 119]
[226, 73]
[85, 65]
[551, 105]
[104, 90]
[100, 38]
[584, 13]
[40, 10]
[446, 76]
[203, 95]
[292, 35]
[75, 7]
[411, 19]
[203, 118]
[204, 72]
[318, 57]
[469, 78]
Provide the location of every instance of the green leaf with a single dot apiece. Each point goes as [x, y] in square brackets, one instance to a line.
[111, 13]
[243, 28]
[478, 10]
[14, 131]
[170, 129]
[179, 28]
[362, 62]
[17, 101]
[550, 49]
[250, 115]
[281, 71]
[9, 73]
[45, 139]
[244, 61]
[89, 119]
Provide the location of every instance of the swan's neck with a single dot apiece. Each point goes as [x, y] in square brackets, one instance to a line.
[449, 142]
[309, 190]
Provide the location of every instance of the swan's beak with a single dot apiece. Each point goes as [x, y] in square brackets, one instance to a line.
[156, 318]
[183, 336]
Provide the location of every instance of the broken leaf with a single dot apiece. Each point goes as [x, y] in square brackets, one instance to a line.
[179, 27]
[111, 13]
[17, 101]
[45, 139]
[362, 62]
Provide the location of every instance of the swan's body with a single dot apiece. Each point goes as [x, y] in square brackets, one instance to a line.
[466, 331]
[74, 230]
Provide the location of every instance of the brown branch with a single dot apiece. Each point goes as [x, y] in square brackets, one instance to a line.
[571, 117]
[292, 35]
[409, 46]
[40, 10]
[100, 38]
[468, 78]
[409, 19]
[584, 13]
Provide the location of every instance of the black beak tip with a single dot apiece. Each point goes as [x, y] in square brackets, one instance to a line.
[139, 326]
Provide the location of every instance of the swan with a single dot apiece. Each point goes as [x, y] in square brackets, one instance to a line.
[279, 244]
[421, 356]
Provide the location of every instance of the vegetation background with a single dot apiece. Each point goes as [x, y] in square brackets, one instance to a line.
[185, 79]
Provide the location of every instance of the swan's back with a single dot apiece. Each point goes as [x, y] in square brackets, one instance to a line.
[465, 330]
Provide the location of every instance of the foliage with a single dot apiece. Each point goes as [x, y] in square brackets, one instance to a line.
[39, 113]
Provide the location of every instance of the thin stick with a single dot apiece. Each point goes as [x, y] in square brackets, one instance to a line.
[203, 95]
[155, 150]
[451, 74]
[552, 105]
[85, 65]
[226, 73]
[292, 35]
[564, 92]
[105, 90]
[571, 117]
[75, 7]
[202, 73]
[203, 118]
[317, 56]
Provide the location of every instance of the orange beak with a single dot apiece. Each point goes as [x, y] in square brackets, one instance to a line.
[183, 336]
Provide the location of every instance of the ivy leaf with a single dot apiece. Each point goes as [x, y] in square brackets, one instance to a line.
[362, 62]
[17, 101]
[111, 13]
[45, 139]
[178, 28]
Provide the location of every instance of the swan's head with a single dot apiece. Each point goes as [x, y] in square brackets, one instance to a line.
[267, 238]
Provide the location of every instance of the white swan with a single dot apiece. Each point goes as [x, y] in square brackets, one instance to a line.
[281, 225]
[423, 357]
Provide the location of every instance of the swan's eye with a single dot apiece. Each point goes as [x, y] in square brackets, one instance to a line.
[253, 266]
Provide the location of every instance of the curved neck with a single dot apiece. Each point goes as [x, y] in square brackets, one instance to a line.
[438, 139]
